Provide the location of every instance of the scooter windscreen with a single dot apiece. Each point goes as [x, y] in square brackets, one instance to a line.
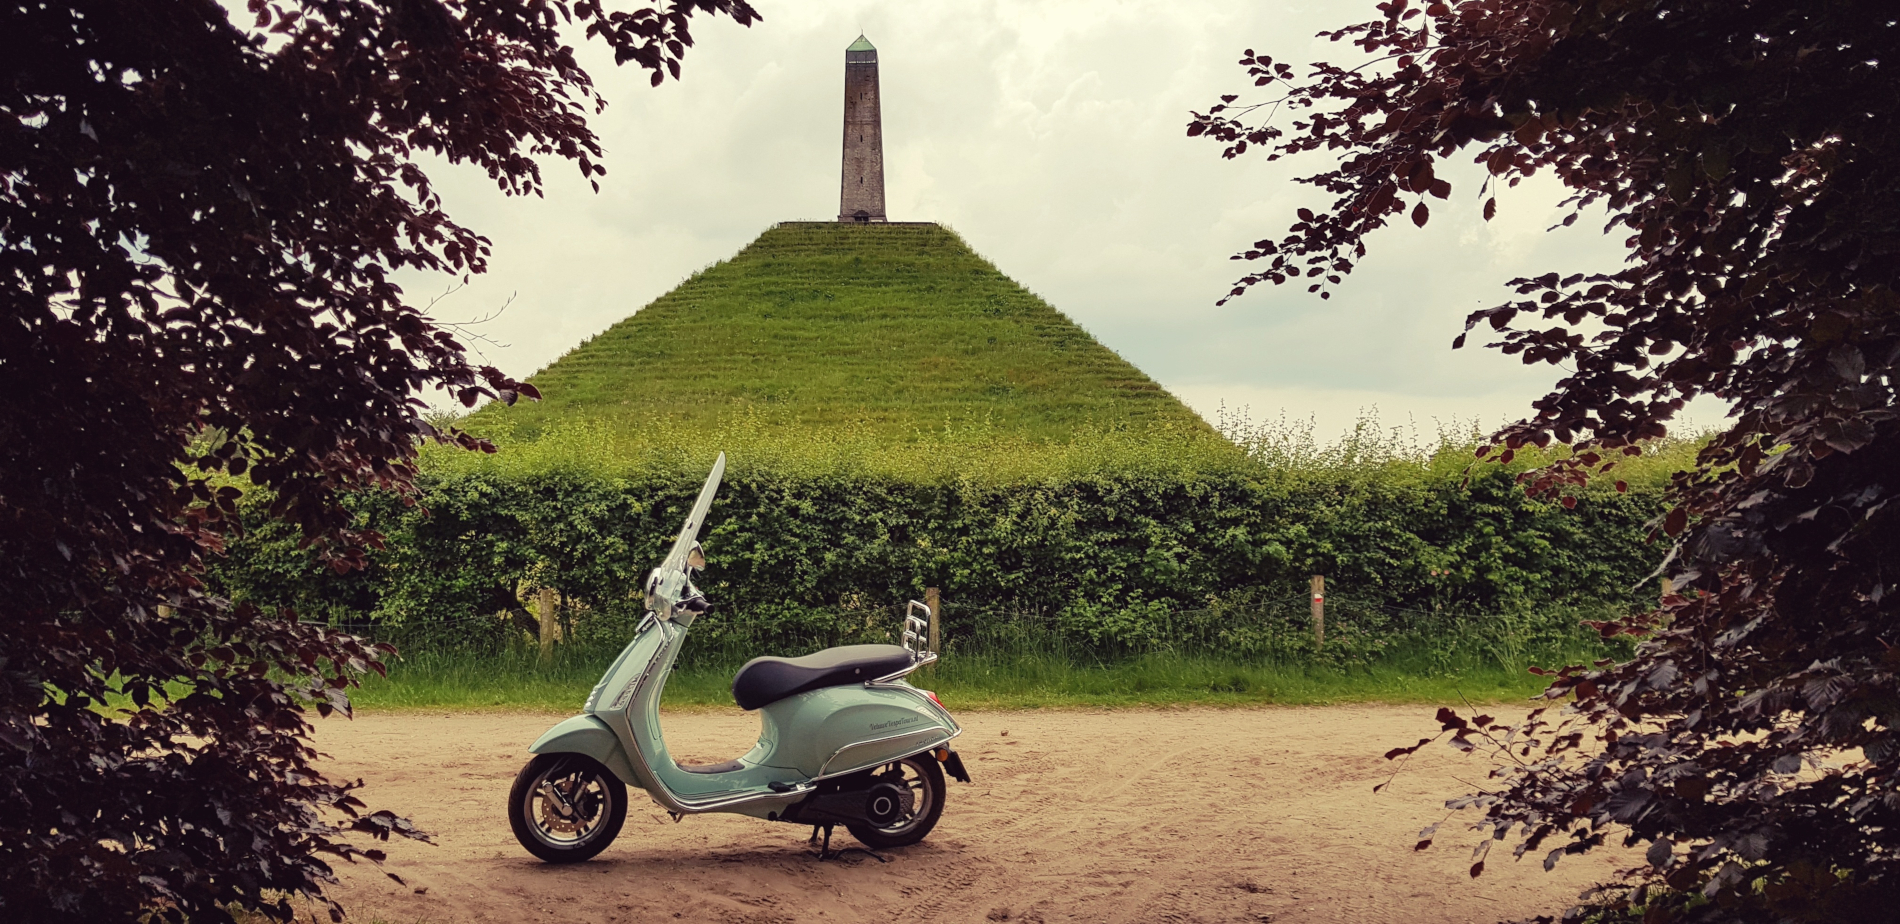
[668, 583]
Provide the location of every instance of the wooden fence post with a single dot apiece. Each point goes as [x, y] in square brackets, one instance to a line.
[1319, 610]
[547, 625]
[934, 600]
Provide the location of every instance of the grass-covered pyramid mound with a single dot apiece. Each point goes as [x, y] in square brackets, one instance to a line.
[888, 347]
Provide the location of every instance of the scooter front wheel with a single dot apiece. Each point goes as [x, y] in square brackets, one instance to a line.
[566, 808]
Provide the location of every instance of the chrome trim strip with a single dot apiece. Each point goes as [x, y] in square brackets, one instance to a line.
[931, 747]
[939, 730]
[711, 805]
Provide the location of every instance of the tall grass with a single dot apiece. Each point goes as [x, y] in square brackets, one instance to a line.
[1029, 681]
[1292, 448]
[1023, 661]
[763, 439]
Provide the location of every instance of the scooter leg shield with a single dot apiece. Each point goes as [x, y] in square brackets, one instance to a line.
[586, 734]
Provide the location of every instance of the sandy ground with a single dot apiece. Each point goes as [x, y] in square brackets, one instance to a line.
[1197, 815]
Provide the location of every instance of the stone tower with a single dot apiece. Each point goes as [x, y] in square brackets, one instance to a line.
[862, 195]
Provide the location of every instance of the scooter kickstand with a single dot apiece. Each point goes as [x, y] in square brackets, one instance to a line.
[825, 852]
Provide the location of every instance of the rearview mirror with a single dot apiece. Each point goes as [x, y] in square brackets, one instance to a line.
[696, 558]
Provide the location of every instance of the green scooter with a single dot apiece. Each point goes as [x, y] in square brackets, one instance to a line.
[845, 740]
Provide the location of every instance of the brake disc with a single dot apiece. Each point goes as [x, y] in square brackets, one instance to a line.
[555, 814]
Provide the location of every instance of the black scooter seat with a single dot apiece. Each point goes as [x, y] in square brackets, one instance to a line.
[764, 681]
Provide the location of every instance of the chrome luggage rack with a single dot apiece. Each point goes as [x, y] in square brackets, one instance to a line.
[916, 637]
[917, 632]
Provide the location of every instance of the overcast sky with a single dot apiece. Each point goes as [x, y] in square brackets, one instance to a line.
[1050, 135]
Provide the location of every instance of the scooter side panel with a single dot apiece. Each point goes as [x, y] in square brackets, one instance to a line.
[585, 734]
[836, 730]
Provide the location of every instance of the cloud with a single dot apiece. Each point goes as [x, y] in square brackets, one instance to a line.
[1051, 135]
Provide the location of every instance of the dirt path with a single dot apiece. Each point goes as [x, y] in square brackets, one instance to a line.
[1192, 816]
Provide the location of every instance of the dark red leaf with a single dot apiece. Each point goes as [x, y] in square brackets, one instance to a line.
[205, 353]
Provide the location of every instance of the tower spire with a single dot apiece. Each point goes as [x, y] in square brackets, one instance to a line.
[861, 196]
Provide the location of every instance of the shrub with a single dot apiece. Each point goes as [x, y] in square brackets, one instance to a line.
[1107, 555]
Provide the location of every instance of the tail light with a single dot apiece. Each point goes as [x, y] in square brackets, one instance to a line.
[934, 699]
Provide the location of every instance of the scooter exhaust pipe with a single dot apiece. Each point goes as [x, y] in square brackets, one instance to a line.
[880, 805]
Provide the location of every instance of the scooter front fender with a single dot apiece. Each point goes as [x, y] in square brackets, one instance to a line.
[586, 734]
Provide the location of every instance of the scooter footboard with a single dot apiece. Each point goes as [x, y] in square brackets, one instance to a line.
[585, 734]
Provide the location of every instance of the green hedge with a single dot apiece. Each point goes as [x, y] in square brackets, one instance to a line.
[1105, 556]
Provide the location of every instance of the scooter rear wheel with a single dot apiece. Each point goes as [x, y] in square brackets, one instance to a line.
[923, 777]
[565, 808]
